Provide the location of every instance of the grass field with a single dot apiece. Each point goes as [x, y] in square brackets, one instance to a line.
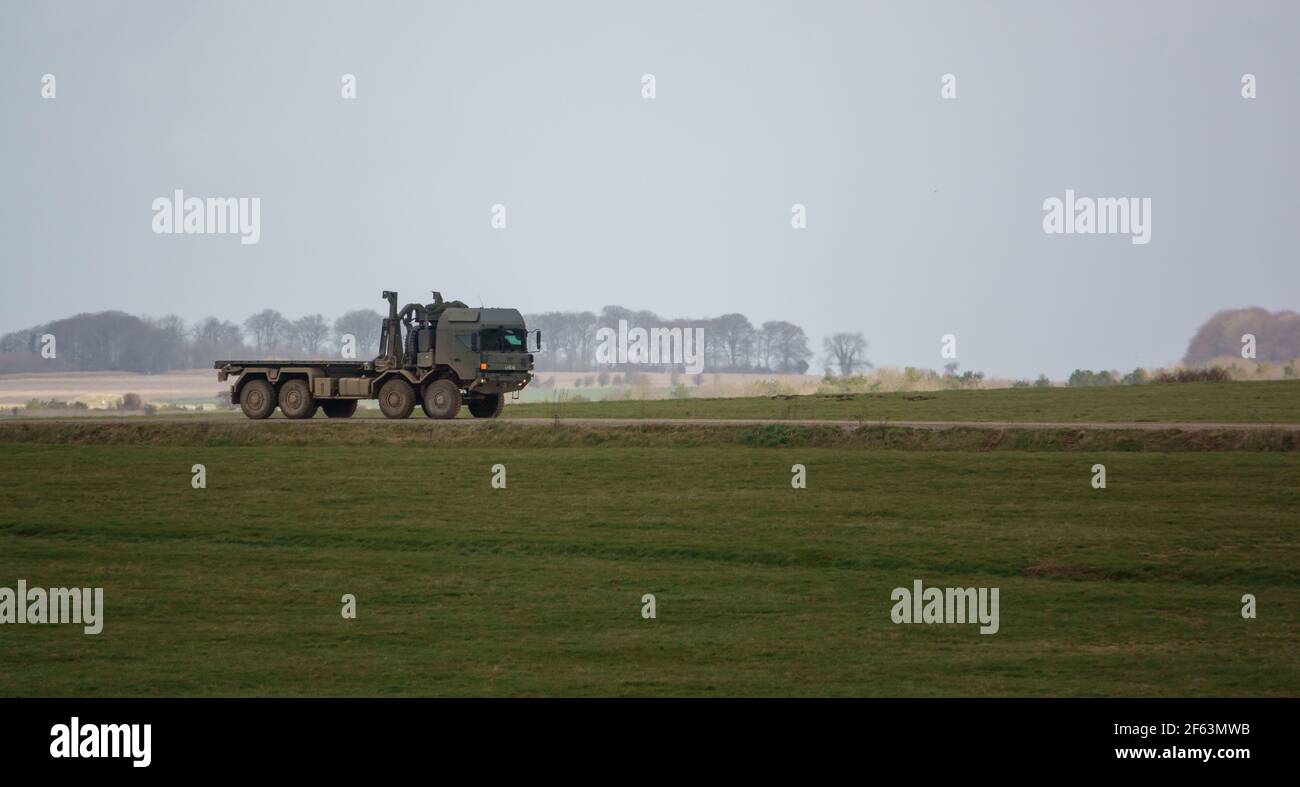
[1273, 401]
[536, 589]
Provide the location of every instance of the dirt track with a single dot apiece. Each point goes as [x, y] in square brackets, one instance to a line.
[632, 422]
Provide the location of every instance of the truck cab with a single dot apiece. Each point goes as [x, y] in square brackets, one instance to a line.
[487, 349]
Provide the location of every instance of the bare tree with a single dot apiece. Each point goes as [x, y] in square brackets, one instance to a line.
[364, 325]
[310, 332]
[765, 346]
[848, 351]
[787, 347]
[583, 327]
[736, 337]
[212, 339]
[268, 328]
[167, 342]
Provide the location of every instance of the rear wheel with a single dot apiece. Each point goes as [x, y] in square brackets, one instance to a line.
[489, 406]
[339, 408]
[296, 400]
[396, 398]
[257, 399]
[441, 399]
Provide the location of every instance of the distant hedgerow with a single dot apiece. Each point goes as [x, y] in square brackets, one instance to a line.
[1215, 374]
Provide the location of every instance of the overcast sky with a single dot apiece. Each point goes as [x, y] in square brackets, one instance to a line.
[924, 215]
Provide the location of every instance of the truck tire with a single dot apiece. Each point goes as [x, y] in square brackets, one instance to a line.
[441, 399]
[257, 399]
[339, 408]
[396, 398]
[296, 401]
[490, 406]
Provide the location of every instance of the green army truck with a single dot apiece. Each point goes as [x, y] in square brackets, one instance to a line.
[439, 355]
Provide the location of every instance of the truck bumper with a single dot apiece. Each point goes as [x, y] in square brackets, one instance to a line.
[491, 382]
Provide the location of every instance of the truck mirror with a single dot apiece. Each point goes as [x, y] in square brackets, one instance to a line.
[538, 345]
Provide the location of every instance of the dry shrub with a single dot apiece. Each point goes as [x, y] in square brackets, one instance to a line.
[1215, 374]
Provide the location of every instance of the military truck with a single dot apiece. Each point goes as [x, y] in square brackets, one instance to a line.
[437, 355]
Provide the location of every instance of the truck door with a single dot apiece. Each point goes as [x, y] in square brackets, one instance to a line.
[457, 342]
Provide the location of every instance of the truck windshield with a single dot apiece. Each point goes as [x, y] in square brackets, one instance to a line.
[502, 339]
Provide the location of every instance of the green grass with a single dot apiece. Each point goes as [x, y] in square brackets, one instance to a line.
[535, 589]
[548, 434]
[1272, 402]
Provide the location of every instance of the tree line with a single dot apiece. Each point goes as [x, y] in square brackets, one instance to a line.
[731, 342]
[117, 341]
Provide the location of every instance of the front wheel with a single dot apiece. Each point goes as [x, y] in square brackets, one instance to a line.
[396, 398]
[490, 406]
[441, 399]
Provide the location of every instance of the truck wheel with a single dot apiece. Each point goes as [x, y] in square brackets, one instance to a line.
[490, 406]
[396, 398]
[441, 399]
[339, 408]
[296, 400]
[257, 399]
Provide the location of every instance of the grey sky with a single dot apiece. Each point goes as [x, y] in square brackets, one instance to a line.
[924, 215]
